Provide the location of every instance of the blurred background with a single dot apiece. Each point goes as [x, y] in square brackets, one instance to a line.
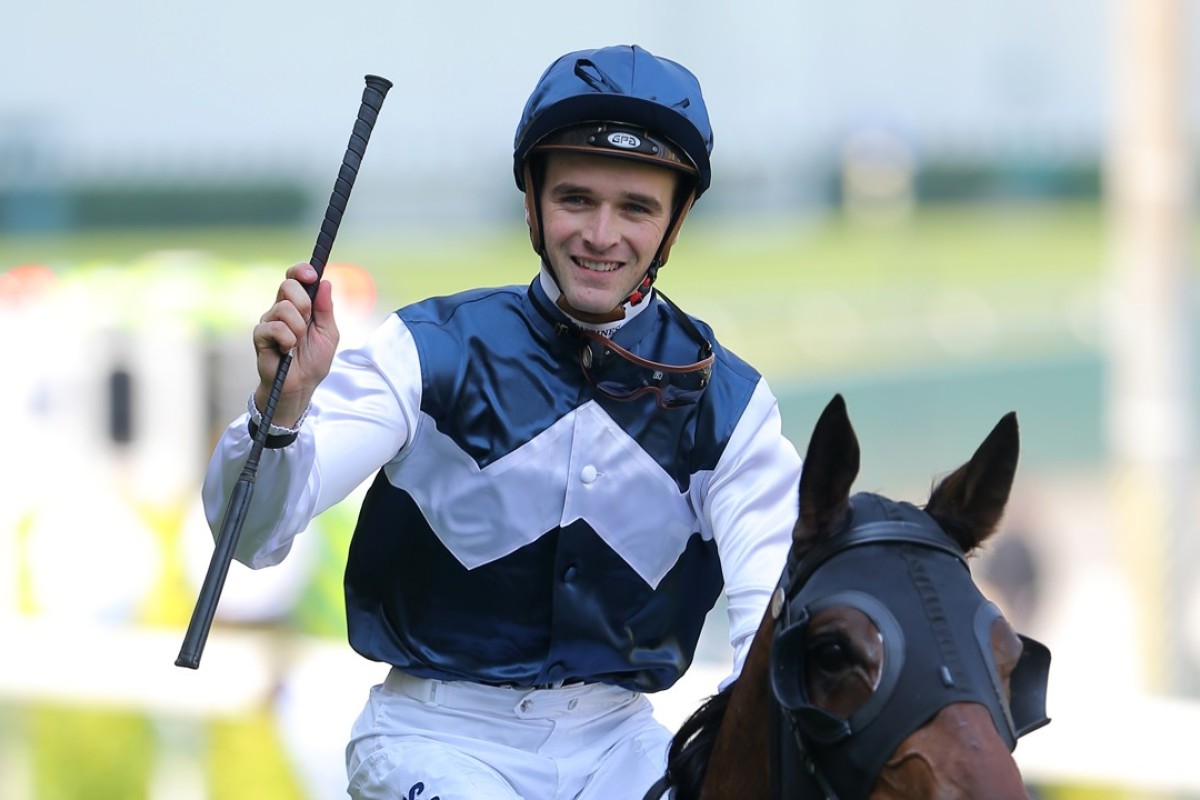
[943, 210]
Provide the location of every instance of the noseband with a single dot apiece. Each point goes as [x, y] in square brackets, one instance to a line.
[893, 563]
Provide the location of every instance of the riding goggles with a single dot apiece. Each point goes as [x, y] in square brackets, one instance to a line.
[621, 375]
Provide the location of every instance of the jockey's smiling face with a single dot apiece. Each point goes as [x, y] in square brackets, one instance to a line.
[604, 219]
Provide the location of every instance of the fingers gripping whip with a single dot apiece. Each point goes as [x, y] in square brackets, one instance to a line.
[239, 500]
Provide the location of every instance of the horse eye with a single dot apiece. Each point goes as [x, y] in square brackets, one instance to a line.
[830, 654]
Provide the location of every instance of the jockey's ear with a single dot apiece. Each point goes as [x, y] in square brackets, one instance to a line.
[970, 501]
[830, 467]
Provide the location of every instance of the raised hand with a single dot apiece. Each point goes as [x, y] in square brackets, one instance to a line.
[304, 326]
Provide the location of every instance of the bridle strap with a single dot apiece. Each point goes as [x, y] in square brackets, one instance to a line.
[780, 791]
[885, 531]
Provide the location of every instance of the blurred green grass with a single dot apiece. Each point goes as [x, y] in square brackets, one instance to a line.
[935, 244]
[800, 294]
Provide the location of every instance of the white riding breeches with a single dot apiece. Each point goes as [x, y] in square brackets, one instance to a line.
[420, 739]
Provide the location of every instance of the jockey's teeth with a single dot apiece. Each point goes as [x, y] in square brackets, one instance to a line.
[598, 266]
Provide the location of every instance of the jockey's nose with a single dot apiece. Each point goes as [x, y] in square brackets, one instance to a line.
[601, 232]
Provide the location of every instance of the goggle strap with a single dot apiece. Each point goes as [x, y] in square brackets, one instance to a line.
[706, 349]
[608, 344]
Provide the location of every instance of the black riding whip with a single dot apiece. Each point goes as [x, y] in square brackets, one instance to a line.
[239, 500]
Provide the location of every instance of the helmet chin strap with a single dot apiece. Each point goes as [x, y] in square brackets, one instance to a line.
[533, 218]
[591, 317]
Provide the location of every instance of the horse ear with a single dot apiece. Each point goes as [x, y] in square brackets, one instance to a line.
[969, 502]
[830, 467]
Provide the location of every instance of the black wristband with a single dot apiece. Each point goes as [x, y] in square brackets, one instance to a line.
[272, 442]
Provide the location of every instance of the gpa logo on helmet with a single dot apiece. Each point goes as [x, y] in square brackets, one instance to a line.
[624, 140]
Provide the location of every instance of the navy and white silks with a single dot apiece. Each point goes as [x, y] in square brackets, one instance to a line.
[521, 528]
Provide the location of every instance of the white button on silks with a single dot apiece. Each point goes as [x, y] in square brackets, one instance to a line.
[588, 474]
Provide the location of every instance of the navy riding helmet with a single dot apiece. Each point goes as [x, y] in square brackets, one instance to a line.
[617, 101]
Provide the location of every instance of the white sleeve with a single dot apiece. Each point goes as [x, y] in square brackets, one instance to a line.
[362, 415]
[752, 504]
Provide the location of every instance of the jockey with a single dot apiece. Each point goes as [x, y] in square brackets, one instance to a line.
[565, 474]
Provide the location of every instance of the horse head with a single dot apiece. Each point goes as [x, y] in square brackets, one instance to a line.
[879, 671]
[892, 675]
